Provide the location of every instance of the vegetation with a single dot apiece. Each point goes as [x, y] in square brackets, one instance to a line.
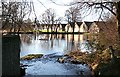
[13, 14]
[108, 69]
[90, 58]
[100, 61]
[31, 56]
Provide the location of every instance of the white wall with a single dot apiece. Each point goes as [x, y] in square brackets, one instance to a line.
[76, 29]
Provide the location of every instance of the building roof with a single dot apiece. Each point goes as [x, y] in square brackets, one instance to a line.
[88, 24]
[63, 25]
[72, 24]
[79, 23]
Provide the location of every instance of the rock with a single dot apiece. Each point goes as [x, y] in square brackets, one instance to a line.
[75, 62]
[31, 56]
[60, 60]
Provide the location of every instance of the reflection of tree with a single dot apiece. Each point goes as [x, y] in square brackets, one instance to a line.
[26, 38]
[76, 44]
[63, 36]
[67, 42]
[52, 40]
[72, 42]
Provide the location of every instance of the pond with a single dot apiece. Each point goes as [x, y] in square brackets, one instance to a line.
[53, 45]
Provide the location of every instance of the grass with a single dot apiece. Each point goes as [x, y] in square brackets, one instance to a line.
[47, 31]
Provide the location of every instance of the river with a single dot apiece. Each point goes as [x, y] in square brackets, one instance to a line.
[57, 45]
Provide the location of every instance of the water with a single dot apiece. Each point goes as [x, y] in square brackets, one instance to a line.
[47, 44]
[53, 45]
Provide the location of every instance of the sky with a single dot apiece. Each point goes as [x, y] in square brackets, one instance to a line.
[42, 5]
[59, 10]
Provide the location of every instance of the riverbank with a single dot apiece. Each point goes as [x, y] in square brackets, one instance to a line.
[100, 62]
[49, 65]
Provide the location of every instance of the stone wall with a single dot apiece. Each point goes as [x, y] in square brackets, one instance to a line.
[10, 55]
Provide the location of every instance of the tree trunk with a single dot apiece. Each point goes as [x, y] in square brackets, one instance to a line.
[118, 16]
[74, 27]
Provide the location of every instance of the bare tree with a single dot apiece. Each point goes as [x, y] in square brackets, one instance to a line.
[48, 18]
[109, 18]
[57, 23]
[101, 6]
[112, 6]
[73, 14]
[13, 14]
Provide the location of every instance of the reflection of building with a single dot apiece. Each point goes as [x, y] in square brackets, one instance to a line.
[74, 40]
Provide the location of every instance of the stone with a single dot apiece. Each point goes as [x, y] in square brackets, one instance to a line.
[60, 60]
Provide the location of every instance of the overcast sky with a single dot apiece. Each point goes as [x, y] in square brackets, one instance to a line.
[59, 9]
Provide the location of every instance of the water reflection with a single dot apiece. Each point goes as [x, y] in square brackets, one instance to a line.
[53, 43]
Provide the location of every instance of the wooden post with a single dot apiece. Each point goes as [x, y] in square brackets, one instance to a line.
[10, 56]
